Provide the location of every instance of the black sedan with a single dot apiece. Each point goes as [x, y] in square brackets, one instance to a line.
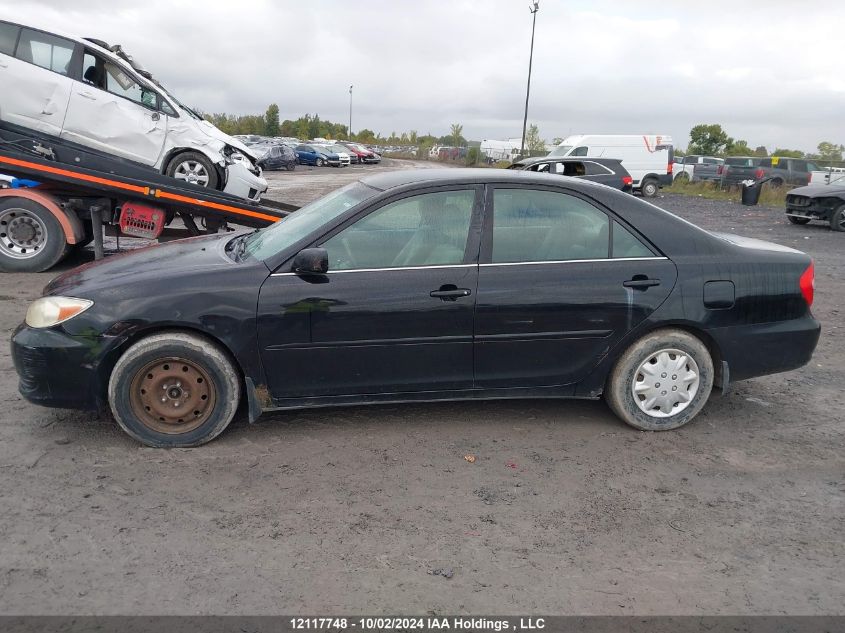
[422, 285]
[606, 171]
[275, 157]
[818, 202]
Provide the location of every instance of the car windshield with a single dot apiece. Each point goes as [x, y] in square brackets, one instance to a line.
[285, 233]
[339, 148]
[560, 150]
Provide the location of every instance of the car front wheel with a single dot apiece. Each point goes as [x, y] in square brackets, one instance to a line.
[650, 188]
[661, 382]
[174, 389]
[194, 168]
[320, 162]
[837, 220]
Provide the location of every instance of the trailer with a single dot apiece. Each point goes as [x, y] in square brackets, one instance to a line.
[80, 199]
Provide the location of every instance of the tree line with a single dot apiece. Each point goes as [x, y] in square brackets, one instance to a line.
[712, 140]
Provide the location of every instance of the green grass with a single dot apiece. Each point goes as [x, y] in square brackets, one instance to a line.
[770, 196]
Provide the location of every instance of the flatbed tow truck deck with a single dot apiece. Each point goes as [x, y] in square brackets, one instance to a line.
[75, 205]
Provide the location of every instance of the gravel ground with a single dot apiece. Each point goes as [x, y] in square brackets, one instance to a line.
[565, 510]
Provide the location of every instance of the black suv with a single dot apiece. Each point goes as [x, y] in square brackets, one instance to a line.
[607, 171]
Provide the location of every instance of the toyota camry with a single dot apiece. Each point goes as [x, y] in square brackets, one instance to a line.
[422, 285]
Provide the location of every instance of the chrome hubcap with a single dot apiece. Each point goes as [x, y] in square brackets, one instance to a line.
[192, 171]
[665, 383]
[22, 233]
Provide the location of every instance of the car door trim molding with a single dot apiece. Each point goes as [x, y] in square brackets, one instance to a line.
[380, 270]
[578, 261]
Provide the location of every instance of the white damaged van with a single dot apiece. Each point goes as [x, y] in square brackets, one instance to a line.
[85, 92]
[647, 157]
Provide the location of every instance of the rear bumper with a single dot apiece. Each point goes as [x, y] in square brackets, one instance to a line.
[767, 348]
[56, 369]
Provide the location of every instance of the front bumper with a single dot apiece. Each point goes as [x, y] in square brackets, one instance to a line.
[56, 369]
[241, 182]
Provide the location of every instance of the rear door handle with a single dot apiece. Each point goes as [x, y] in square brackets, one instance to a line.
[641, 282]
[450, 293]
[88, 95]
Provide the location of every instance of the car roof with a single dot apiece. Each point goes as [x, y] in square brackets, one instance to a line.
[461, 176]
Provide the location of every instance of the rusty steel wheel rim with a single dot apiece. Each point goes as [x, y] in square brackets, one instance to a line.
[172, 395]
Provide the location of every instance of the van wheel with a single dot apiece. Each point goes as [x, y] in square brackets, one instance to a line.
[837, 220]
[31, 238]
[194, 168]
[174, 390]
[661, 382]
[649, 188]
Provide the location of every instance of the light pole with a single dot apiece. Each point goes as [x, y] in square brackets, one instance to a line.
[350, 113]
[533, 10]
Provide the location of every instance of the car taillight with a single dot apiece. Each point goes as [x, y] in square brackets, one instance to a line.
[627, 180]
[758, 174]
[809, 178]
[720, 170]
[807, 283]
[670, 168]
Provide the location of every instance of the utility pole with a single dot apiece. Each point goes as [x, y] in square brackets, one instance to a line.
[350, 113]
[533, 10]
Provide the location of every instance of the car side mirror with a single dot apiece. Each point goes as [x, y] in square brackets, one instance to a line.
[311, 261]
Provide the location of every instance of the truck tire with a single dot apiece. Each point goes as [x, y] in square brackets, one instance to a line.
[837, 219]
[683, 177]
[194, 168]
[649, 188]
[31, 238]
[661, 382]
[776, 183]
[174, 389]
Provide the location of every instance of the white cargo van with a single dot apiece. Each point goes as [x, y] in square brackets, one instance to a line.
[647, 157]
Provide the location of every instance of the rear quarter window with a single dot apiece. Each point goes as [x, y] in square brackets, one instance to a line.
[8, 38]
[45, 50]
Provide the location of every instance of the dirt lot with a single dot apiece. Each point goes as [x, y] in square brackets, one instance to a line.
[350, 510]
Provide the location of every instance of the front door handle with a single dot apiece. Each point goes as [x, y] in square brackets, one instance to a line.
[641, 282]
[450, 292]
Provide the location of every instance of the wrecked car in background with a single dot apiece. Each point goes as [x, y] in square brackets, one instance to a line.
[83, 92]
[817, 202]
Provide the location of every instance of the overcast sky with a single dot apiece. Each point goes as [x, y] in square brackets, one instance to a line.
[770, 71]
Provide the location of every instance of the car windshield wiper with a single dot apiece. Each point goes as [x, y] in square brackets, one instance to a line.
[238, 245]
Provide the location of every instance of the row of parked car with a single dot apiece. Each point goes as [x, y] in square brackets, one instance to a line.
[276, 153]
[733, 170]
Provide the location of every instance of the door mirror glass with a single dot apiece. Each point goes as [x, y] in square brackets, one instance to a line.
[311, 261]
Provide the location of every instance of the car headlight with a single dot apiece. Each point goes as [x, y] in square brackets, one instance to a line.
[49, 311]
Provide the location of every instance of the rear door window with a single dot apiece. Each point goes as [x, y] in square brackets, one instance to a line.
[45, 50]
[625, 244]
[8, 38]
[535, 226]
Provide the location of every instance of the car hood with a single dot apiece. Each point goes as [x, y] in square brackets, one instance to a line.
[158, 262]
[813, 191]
[219, 135]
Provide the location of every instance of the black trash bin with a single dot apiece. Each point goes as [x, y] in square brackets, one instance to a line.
[751, 193]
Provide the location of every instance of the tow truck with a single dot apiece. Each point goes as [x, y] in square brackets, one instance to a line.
[81, 195]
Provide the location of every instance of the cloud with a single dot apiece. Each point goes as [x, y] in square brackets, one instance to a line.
[598, 67]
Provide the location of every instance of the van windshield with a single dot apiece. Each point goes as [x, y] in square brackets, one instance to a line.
[561, 150]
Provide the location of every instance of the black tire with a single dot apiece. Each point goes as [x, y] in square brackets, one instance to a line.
[32, 238]
[650, 188]
[182, 164]
[291, 166]
[320, 162]
[211, 393]
[796, 220]
[837, 219]
[682, 177]
[619, 392]
[776, 183]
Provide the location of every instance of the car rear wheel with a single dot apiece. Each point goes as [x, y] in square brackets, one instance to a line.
[31, 238]
[291, 166]
[650, 188]
[174, 390]
[837, 220]
[796, 220]
[661, 382]
[683, 177]
[776, 183]
[194, 168]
